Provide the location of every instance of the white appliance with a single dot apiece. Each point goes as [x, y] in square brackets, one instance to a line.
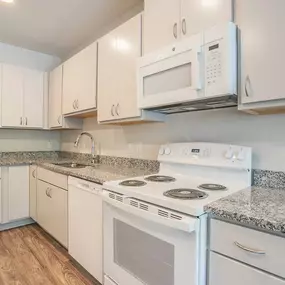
[85, 225]
[194, 74]
[155, 227]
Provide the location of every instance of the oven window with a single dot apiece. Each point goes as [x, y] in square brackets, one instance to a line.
[146, 257]
[176, 78]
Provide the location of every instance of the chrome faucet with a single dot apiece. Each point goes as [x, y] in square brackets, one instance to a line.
[76, 143]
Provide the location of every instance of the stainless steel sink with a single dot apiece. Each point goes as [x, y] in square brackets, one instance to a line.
[71, 165]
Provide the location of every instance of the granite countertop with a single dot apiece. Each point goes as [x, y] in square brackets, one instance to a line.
[98, 173]
[108, 168]
[259, 207]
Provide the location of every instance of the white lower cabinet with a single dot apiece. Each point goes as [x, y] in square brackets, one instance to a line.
[33, 192]
[18, 192]
[225, 271]
[52, 210]
[240, 255]
[14, 194]
[108, 281]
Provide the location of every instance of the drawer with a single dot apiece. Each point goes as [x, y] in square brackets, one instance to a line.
[224, 271]
[53, 178]
[52, 211]
[268, 251]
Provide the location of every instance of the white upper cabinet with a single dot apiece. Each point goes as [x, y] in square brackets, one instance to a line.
[161, 23]
[118, 52]
[198, 15]
[22, 97]
[33, 99]
[12, 96]
[168, 21]
[56, 119]
[262, 46]
[117, 75]
[55, 98]
[80, 81]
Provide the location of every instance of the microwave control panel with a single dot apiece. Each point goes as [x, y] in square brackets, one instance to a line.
[220, 55]
[214, 64]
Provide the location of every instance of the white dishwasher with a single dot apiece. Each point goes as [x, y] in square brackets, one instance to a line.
[85, 225]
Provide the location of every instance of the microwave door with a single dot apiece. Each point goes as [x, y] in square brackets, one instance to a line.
[171, 80]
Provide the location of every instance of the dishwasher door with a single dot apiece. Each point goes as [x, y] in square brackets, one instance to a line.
[85, 225]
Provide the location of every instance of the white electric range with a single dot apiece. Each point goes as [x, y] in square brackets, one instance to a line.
[155, 227]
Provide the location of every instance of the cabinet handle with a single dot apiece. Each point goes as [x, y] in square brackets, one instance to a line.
[247, 83]
[74, 104]
[251, 250]
[112, 110]
[117, 109]
[26, 121]
[47, 192]
[175, 30]
[184, 27]
[34, 173]
[77, 104]
[58, 119]
[21, 120]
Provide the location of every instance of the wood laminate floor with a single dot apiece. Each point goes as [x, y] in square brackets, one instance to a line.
[28, 256]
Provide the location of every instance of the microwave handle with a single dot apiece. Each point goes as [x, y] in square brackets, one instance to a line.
[177, 224]
[197, 74]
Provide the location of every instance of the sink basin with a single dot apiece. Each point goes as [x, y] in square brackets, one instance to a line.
[71, 165]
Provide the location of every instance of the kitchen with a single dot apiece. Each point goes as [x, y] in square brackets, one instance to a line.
[114, 170]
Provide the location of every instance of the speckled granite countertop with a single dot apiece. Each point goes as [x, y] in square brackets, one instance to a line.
[256, 206]
[108, 167]
[98, 173]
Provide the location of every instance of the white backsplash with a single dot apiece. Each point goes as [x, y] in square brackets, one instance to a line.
[265, 134]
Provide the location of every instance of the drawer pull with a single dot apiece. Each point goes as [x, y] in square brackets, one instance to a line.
[251, 250]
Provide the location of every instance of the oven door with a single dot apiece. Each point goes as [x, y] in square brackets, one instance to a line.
[172, 75]
[140, 248]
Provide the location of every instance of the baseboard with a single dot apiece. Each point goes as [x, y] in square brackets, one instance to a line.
[16, 224]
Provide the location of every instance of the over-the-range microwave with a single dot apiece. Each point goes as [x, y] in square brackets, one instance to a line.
[197, 73]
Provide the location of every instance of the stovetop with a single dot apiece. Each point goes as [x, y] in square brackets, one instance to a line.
[200, 173]
[155, 192]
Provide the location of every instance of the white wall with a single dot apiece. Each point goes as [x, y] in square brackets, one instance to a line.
[26, 140]
[265, 134]
[27, 58]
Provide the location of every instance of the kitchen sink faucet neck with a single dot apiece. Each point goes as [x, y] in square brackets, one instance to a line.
[76, 143]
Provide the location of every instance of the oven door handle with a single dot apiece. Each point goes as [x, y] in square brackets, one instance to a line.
[188, 224]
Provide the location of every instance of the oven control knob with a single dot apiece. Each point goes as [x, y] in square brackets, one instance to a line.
[229, 153]
[161, 151]
[167, 151]
[241, 155]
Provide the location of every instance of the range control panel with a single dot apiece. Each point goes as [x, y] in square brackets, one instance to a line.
[207, 154]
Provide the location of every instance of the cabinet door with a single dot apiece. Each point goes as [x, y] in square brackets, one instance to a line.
[33, 192]
[12, 96]
[33, 98]
[198, 15]
[69, 86]
[18, 192]
[108, 77]
[118, 53]
[262, 59]
[225, 271]
[161, 23]
[86, 81]
[52, 210]
[130, 35]
[55, 98]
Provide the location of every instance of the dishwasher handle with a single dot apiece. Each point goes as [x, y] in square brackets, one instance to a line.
[87, 187]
